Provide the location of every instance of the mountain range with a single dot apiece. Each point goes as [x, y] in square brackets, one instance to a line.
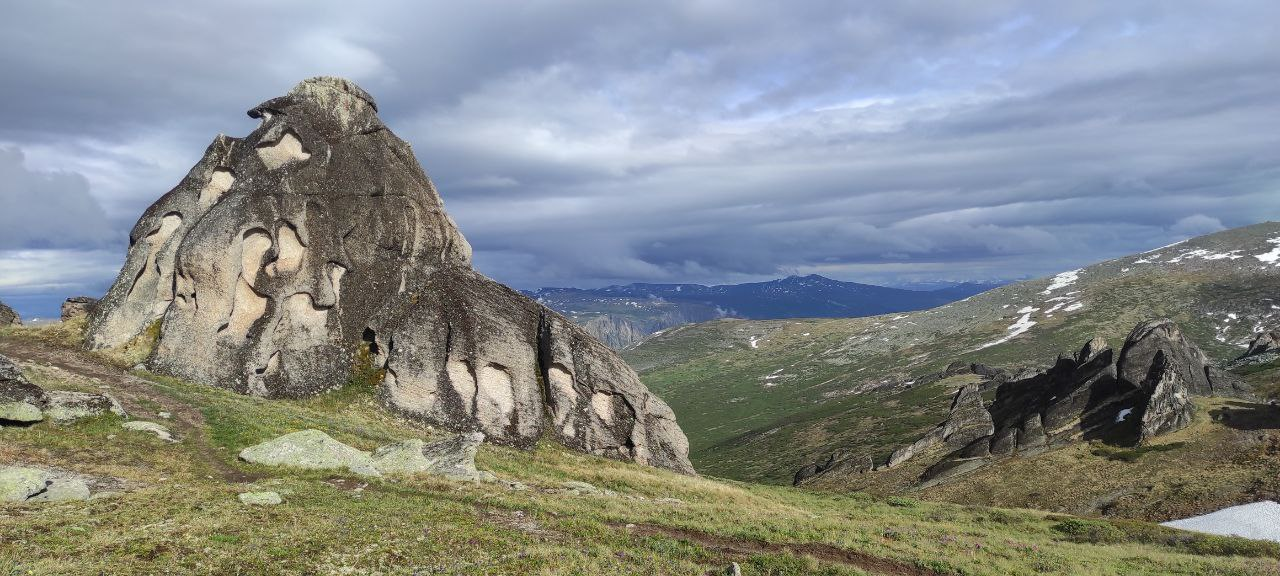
[622, 315]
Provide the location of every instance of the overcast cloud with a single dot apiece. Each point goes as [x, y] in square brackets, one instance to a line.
[590, 143]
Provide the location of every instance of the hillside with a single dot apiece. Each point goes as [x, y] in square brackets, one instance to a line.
[761, 399]
[622, 315]
[172, 506]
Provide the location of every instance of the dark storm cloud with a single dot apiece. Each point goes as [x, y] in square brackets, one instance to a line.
[599, 142]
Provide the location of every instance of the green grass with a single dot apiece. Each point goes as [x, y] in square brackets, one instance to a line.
[1133, 454]
[177, 512]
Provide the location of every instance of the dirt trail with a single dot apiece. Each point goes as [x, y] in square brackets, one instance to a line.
[739, 549]
[136, 394]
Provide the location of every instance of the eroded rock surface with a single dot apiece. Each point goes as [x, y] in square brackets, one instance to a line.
[1163, 336]
[316, 247]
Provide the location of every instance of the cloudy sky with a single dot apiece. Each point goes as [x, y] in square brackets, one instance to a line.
[591, 143]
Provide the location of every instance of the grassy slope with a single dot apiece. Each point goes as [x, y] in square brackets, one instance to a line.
[826, 397]
[180, 515]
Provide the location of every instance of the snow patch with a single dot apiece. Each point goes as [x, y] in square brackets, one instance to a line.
[1063, 280]
[1022, 325]
[1259, 521]
[1273, 256]
[1123, 414]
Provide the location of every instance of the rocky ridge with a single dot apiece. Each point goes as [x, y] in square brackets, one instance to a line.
[1142, 394]
[316, 248]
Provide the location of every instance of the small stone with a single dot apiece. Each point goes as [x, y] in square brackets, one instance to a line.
[19, 413]
[18, 484]
[143, 426]
[66, 406]
[311, 449]
[733, 569]
[261, 498]
[165, 415]
[584, 489]
[454, 458]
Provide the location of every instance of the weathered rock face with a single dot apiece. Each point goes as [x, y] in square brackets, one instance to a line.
[8, 317]
[1168, 407]
[1078, 397]
[1151, 338]
[78, 306]
[967, 421]
[316, 246]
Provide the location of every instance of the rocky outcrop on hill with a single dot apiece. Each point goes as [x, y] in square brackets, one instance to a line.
[1145, 393]
[1163, 336]
[77, 306]
[1262, 343]
[316, 247]
[1263, 348]
[8, 317]
[967, 421]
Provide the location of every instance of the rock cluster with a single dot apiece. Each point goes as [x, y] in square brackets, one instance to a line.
[1264, 348]
[316, 248]
[1144, 393]
[1262, 343]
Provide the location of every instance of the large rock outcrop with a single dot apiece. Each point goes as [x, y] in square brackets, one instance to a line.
[316, 247]
[1145, 393]
[8, 317]
[1150, 339]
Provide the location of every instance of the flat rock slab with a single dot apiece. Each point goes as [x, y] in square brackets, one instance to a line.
[454, 458]
[143, 426]
[19, 484]
[66, 406]
[1259, 521]
[310, 449]
[261, 498]
[19, 413]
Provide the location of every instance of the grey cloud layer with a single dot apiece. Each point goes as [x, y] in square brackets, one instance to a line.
[598, 142]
